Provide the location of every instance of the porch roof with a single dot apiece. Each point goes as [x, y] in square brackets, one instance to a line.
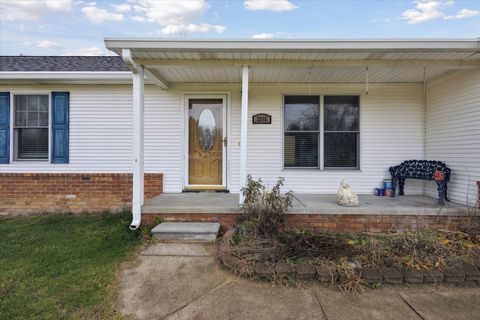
[298, 61]
[295, 49]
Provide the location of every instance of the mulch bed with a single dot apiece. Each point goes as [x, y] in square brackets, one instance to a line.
[354, 260]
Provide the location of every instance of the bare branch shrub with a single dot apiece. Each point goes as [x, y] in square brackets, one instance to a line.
[263, 209]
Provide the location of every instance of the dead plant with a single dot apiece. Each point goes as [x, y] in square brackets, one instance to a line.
[263, 209]
[351, 283]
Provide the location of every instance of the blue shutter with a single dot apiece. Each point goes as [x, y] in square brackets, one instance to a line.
[60, 127]
[4, 127]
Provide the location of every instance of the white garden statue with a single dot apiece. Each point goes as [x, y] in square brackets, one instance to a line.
[345, 196]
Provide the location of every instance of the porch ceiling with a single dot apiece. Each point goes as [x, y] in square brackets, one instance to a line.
[299, 61]
[299, 74]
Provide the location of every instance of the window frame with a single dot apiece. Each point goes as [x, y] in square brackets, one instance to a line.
[358, 132]
[320, 153]
[321, 139]
[13, 159]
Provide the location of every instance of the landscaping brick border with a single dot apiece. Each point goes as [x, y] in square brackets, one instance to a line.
[22, 193]
[462, 273]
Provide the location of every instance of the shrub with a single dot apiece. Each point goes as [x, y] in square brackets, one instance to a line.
[263, 209]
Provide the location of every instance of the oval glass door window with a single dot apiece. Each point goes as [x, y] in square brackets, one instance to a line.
[206, 129]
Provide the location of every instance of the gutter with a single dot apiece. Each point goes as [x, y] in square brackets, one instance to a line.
[67, 75]
[128, 60]
[294, 45]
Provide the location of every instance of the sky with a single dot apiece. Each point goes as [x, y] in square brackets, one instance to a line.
[78, 27]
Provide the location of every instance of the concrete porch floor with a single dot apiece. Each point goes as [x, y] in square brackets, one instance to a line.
[227, 203]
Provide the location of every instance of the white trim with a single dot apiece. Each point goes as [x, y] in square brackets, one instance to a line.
[67, 75]
[12, 127]
[470, 44]
[185, 103]
[361, 131]
[321, 151]
[156, 78]
[321, 137]
[320, 162]
[243, 131]
[360, 147]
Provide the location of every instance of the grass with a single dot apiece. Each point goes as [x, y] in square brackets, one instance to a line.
[62, 266]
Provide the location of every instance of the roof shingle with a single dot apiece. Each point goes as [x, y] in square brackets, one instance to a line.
[62, 63]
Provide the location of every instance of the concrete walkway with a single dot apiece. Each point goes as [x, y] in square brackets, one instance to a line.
[184, 281]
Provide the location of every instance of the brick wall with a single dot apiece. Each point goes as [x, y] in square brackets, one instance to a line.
[339, 222]
[73, 192]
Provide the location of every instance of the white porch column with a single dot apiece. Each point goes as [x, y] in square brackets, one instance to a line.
[243, 131]
[138, 172]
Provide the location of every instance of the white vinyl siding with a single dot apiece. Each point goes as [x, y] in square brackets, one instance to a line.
[453, 131]
[101, 133]
[164, 136]
[390, 126]
[100, 129]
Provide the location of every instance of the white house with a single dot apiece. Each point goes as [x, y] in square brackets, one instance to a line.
[202, 114]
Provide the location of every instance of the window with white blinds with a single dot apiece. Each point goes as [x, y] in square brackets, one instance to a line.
[302, 130]
[302, 145]
[30, 127]
[341, 132]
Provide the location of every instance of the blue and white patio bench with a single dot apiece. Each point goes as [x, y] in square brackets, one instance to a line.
[423, 170]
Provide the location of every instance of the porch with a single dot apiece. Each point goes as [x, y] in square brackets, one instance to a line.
[256, 78]
[317, 212]
[314, 204]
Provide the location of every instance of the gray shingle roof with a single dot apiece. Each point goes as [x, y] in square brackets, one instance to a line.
[62, 63]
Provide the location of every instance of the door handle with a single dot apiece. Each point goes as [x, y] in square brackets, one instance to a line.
[225, 141]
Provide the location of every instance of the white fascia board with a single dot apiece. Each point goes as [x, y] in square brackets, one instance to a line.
[116, 44]
[67, 75]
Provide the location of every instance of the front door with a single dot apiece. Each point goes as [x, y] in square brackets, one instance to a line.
[206, 142]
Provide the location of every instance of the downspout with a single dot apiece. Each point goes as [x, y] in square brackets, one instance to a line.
[424, 124]
[128, 60]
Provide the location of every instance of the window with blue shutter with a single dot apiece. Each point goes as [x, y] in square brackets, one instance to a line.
[30, 127]
[60, 127]
[4, 127]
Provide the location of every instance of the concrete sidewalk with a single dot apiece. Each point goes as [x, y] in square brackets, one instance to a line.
[184, 281]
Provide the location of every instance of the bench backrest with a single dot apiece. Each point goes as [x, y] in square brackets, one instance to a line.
[419, 169]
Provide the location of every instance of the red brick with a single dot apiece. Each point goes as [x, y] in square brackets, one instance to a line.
[46, 192]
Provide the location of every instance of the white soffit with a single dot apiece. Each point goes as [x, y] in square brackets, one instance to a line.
[272, 74]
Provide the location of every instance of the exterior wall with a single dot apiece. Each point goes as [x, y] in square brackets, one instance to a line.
[453, 131]
[390, 132]
[100, 129]
[71, 192]
[101, 140]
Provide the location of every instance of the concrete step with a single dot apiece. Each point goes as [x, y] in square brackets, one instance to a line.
[187, 231]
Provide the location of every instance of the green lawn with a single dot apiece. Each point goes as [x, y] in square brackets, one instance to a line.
[62, 266]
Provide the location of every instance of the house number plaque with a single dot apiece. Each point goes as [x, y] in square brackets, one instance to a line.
[261, 118]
